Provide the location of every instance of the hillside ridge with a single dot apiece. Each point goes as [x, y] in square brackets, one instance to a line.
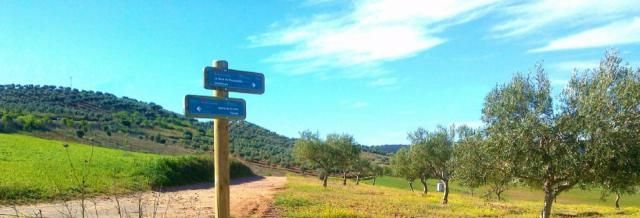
[101, 118]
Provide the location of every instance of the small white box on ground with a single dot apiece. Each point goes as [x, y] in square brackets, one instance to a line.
[440, 187]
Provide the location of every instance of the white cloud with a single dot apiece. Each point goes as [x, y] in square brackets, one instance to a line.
[360, 40]
[356, 42]
[536, 16]
[616, 33]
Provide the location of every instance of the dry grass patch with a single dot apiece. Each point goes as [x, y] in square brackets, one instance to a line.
[305, 197]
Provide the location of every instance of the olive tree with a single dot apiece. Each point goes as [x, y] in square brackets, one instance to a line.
[536, 143]
[470, 159]
[420, 158]
[403, 167]
[310, 149]
[347, 152]
[376, 170]
[361, 167]
[437, 148]
[477, 165]
[606, 105]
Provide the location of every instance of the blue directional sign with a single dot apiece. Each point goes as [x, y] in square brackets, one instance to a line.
[214, 107]
[233, 80]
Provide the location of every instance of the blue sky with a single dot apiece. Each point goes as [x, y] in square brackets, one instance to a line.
[373, 68]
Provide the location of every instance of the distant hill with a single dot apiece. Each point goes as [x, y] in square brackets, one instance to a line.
[106, 120]
[386, 149]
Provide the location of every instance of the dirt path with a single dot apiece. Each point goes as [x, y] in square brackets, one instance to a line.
[250, 197]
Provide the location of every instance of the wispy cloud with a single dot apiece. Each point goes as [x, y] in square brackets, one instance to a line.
[616, 33]
[537, 16]
[359, 41]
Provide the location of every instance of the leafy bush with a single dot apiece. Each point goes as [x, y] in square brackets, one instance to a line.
[186, 170]
[19, 193]
[30, 122]
[80, 133]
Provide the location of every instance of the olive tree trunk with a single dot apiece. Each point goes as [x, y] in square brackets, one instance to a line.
[445, 197]
[424, 185]
[344, 178]
[374, 180]
[548, 201]
[411, 186]
[324, 180]
[498, 190]
[357, 179]
[617, 200]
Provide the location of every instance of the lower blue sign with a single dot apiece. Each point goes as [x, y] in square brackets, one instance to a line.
[214, 107]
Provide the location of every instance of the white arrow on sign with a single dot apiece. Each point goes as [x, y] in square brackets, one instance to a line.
[199, 109]
[253, 84]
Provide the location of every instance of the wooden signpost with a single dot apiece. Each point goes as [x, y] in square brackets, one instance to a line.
[222, 109]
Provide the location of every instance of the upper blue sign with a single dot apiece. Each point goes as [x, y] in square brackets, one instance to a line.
[214, 107]
[233, 80]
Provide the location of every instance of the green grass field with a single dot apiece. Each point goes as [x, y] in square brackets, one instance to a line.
[305, 197]
[38, 169]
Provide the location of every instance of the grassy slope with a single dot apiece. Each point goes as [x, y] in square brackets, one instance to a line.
[305, 197]
[33, 169]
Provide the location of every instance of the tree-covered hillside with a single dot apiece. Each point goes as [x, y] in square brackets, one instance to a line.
[120, 122]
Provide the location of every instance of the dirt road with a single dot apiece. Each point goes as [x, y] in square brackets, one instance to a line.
[250, 197]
